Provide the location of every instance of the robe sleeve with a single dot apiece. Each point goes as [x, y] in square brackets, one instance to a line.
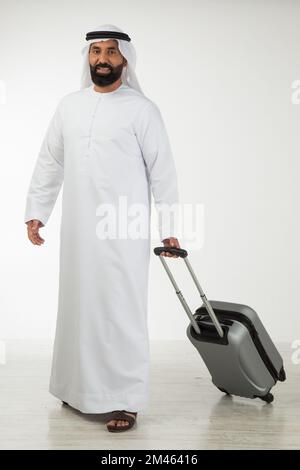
[160, 166]
[48, 173]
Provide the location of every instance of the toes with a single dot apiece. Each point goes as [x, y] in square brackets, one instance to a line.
[122, 423]
[118, 423]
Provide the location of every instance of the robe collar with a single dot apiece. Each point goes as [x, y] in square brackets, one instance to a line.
[109, 93]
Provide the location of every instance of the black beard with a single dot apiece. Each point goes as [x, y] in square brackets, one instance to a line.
[105, 80]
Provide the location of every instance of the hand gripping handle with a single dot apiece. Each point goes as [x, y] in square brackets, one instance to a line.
[174, 251]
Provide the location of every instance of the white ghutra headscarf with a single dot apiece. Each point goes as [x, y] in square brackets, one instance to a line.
[105, 32]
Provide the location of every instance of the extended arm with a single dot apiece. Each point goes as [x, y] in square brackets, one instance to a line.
[158, 157]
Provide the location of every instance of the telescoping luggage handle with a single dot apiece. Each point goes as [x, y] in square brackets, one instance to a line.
[183, 254]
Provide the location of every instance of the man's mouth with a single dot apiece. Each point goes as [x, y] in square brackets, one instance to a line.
[103, 69]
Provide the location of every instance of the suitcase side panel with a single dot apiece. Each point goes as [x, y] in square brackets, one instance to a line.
[236, 367]
[264, 337]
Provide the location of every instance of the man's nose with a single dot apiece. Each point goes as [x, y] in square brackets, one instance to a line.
[102, 58]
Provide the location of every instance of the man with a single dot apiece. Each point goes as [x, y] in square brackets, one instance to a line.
[105, 141]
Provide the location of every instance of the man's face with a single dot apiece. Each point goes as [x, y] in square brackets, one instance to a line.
[106, 62]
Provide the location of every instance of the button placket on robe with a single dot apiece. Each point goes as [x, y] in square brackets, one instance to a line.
[87, 154]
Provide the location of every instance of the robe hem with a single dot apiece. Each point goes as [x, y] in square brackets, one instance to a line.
[130, 402]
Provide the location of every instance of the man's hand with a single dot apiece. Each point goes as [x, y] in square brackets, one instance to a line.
[170, 242]
[33, 231]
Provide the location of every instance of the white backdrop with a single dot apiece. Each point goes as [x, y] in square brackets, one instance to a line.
[222, 74]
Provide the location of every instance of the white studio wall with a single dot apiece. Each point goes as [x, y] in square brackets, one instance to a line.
[224, 75]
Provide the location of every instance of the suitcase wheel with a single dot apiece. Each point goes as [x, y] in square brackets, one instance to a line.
[282, 375]
[267, 398]
[224, 391]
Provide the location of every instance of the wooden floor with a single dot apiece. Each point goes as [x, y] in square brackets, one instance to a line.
[186, 411]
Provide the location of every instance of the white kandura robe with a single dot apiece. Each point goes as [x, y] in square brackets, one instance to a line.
[102, 146]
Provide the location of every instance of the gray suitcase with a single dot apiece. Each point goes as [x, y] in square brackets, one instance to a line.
[232, 341]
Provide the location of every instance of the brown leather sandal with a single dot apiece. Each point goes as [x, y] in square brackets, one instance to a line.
[121, 415]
